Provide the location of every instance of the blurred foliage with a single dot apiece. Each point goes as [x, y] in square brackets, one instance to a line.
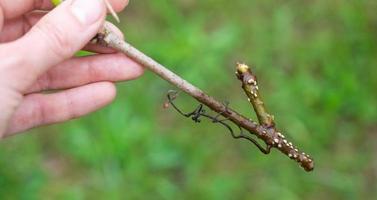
[316, 61]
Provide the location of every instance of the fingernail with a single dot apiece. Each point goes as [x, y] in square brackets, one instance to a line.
[87, 11]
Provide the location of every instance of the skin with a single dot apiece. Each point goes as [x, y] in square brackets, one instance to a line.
[37, 55]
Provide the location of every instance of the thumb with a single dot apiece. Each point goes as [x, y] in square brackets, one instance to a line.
[59, 34]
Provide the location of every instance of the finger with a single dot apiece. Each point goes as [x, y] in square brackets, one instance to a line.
[16, 8]
[43, 109]
[56, 37]
[118, 5]
[81, 71]
[1, 18]
[16, 28]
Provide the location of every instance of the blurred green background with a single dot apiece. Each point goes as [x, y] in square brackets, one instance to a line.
[316, 61]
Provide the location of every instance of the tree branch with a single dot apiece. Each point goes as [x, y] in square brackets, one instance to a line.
[270, 136]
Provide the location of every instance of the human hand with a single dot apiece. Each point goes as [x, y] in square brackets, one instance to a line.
[36, 53]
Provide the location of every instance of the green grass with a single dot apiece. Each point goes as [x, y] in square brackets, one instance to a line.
[316, 62]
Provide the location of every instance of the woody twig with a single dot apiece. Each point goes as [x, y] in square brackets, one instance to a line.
[266, 131]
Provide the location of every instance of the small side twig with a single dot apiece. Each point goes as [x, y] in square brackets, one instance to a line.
[271, 137]
[251, 88]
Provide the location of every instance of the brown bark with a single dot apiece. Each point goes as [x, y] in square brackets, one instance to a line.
[265, 132]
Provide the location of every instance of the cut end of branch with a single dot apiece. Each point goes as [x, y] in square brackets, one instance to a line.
[308, 166]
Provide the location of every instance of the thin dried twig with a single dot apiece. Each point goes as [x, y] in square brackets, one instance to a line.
[112, 11]
[270, 136]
